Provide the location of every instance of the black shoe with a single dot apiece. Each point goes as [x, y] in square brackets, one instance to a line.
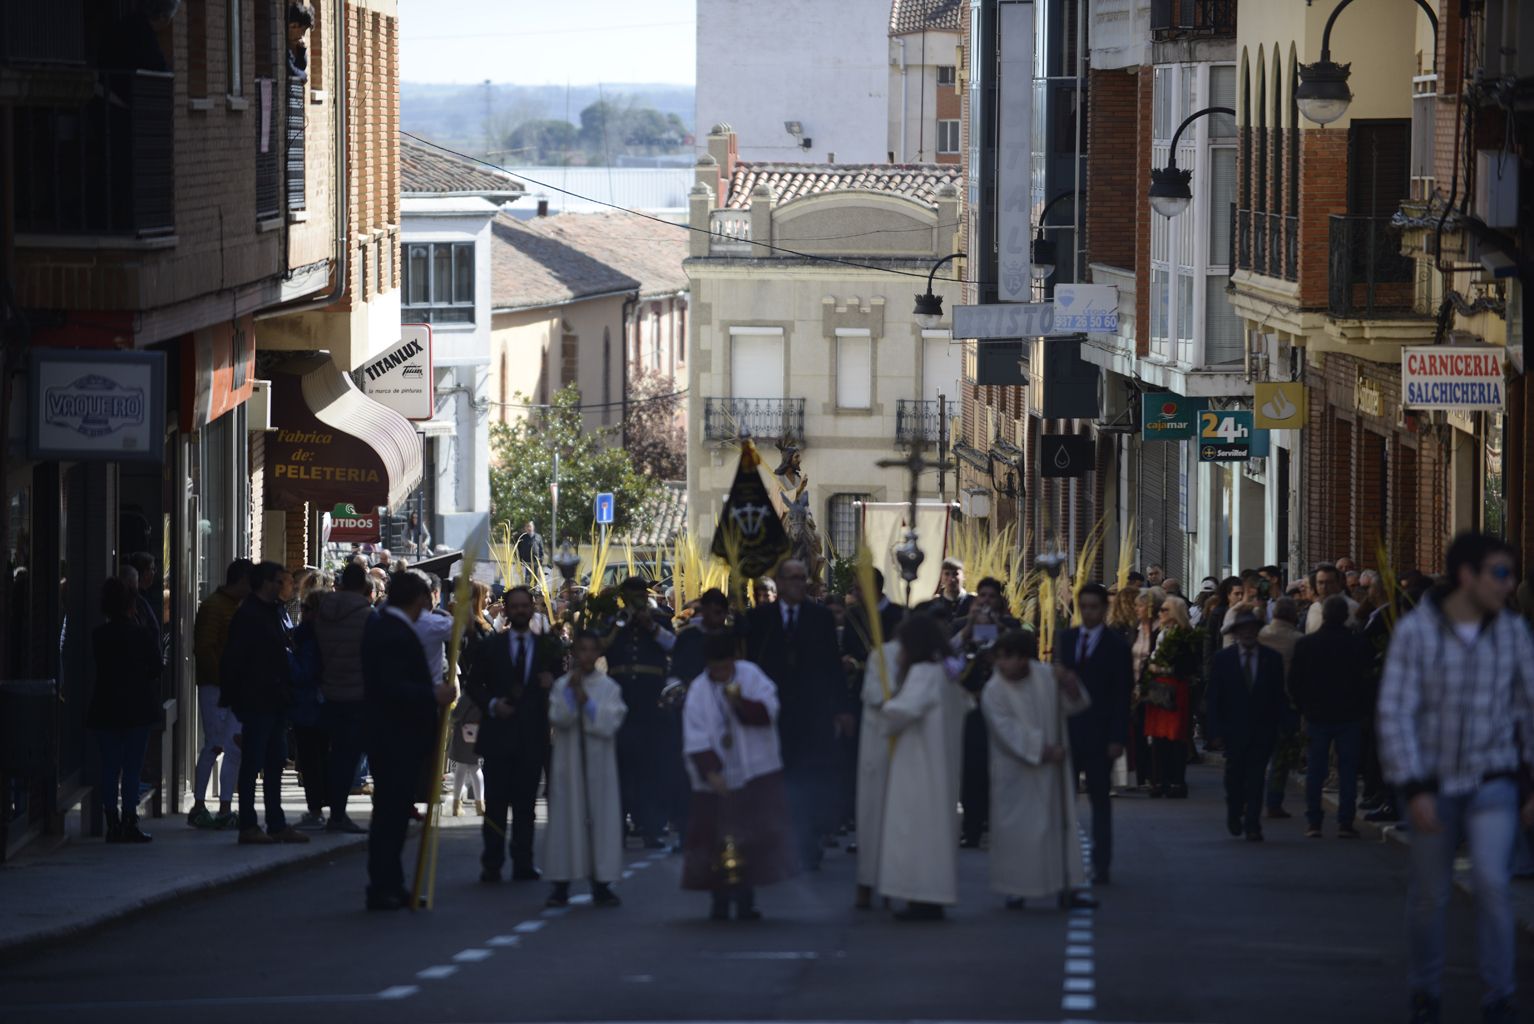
[344, 823]
[1425, 1009]
[920, 912]
[526, 875]
[720, 910]
[1386, 814]
[1157, 792]
[1499, 1012]
[1278, 814]
[1016, 903]
[602, 895]
[1347, 832]
[559, 895]
[747, 912]
[131, 833]
[1233, 826]
[1078, 899]
[388, 901]
[1178, 792]
[490, 875]
[1254, 835]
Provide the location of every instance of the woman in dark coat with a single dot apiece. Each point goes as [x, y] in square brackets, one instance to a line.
[124, 705]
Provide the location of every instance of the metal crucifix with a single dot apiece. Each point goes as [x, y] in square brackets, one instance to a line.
[908, 554]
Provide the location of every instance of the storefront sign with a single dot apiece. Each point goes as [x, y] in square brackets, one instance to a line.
[1225, 436]
[218, 369]
[1000, 363]
[1446, 377]
[348, 526]
[1280, 405]
[1063, 455]
[1367, 397]
[1005, 321]
[93, 405]
[1087, 308]
[1014, 155]
[1168, 417]
[401, 378]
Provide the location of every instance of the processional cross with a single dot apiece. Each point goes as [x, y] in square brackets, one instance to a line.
[909, 555]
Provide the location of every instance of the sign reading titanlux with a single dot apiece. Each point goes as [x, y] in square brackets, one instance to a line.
[1014, 154]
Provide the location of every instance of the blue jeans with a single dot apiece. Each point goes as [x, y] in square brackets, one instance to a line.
[263, 751]
[1349, 739]
[122, 762]
[1488, 820]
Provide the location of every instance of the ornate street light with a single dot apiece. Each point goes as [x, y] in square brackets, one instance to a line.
[1044, 260]
[929, 307]
[1323, 94]
[1169, 191]
[568, 561]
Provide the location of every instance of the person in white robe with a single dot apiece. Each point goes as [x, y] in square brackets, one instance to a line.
[585, 709]
[918, 836]
[879, 675]
[1035, 848]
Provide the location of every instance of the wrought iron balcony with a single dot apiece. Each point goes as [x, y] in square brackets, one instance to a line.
[1267, 243]
[918, 421]
[1171, 18]
[106, 168]
[50, 33]
[1366, 273]
[768, 419]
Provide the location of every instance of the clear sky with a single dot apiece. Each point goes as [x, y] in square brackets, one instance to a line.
[534, 42]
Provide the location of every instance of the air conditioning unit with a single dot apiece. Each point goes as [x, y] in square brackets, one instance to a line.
[258, 408]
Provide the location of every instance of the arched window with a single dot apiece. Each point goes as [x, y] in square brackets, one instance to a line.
[1294, 134]
[1277, 205]
[1245, 85]
[1260, 133]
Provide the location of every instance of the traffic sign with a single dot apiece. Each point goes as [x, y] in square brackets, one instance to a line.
[604, 507]
[1225, 435]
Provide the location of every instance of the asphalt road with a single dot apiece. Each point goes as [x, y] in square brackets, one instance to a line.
[1196, 927]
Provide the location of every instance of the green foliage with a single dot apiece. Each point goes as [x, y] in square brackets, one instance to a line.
[590, 461]
[844, 573]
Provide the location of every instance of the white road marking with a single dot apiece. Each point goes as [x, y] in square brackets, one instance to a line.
[1078, 935]
[1076, 1002]
[437, 973]
[640, 865]
[770, 955]
[528, 927]
[1078, 950]
[552, 912]
[1080, 985]
[472, 956]
[629, 873]
[399, 992]
[505, 940]
[581, 900]
[1081, 966]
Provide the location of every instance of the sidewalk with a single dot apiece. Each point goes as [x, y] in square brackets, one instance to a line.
[61, 886]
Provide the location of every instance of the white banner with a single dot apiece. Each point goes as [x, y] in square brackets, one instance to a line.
[1014, 154]
[1449, 377]
[401, 378]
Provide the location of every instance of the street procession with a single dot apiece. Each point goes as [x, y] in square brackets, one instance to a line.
[832, 511]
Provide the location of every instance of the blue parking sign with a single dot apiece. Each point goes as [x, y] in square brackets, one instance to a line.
[604, 509]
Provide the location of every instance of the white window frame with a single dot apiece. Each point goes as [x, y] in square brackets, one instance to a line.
[853, 382]
[948, 134]
[777, 388]
[412, 312]
[947, 74]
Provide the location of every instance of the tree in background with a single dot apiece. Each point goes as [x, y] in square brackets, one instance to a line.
[590, 462]
[653, 431]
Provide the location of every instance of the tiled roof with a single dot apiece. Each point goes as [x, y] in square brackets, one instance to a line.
[915, 15]
[795, 181]
[670, 510]
[425, 170]
[549, 260]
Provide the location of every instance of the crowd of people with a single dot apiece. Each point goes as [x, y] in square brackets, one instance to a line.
[758, 738]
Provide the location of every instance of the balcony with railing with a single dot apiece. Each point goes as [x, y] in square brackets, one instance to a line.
[1367, 276]
[295, 108]
[51, 33]
[768, 419]
[1175, 18]
[1267, 244]
[729, 233]
[918, 421]
[104, 168]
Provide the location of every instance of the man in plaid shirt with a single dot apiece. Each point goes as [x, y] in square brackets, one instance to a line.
[1456, 705]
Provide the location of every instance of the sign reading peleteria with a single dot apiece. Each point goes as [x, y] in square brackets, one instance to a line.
[1447, 377]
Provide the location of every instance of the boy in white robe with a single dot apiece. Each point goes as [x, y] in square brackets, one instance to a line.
[585, 709]
[873, 766]
[1035, 848]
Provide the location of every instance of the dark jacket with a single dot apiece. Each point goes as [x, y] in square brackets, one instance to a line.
[1108, 675]
[1331, 677]
[255, 675]
[525, 734]
[530, 548]
[127, 691]
[400, 713]
[339, 626]
[1245, 717]
[807, 673]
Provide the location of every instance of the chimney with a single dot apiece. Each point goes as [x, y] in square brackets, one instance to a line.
[724, 148]
[543, 207]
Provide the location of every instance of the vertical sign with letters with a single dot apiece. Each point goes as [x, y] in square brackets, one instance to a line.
[1014, 154]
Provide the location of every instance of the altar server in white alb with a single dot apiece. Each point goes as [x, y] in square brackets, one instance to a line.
[585, 709]
[879, 676]
[1035, 848]
[918, 848]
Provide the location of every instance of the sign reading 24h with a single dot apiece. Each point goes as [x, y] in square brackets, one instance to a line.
[1225, 436]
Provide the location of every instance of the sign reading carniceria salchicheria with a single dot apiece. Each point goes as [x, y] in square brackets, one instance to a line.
[1445, 377]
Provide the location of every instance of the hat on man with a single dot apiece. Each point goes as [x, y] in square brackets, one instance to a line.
[1244, 617]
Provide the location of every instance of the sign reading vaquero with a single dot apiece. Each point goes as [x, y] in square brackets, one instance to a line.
[97, 405]
[1445, 377]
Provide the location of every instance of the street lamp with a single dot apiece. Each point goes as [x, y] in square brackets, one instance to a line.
[1043, 249]
[929, 307]
[568, 561]
[1169, 191]
[1323, 94]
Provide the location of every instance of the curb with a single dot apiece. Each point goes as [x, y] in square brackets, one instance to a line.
[46, 938]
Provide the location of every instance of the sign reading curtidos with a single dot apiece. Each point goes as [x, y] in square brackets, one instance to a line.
[1444, 377]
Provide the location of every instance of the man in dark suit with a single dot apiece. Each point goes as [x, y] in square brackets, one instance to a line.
[1102, 659]
[637, 660]
[794, 642]
[1246, 705]
[510, 681]
[400, 716]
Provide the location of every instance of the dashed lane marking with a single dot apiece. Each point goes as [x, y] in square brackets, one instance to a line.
[437, 973]
[396, 992]
[528, 927]
[503, 941]
[1080, 966]
[472, 956]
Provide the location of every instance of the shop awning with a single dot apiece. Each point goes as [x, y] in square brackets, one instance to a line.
[333, 445]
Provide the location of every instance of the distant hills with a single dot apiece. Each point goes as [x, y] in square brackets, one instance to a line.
[465, 116]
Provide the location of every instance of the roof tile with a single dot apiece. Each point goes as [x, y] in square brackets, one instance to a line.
[426, 170]
[916, 15]
[546, 260]
[795, 181]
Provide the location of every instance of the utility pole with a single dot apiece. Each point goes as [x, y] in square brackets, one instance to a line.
[554, 507]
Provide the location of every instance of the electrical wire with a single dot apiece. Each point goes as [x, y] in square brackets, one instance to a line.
[688, 227]
[582, 407]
